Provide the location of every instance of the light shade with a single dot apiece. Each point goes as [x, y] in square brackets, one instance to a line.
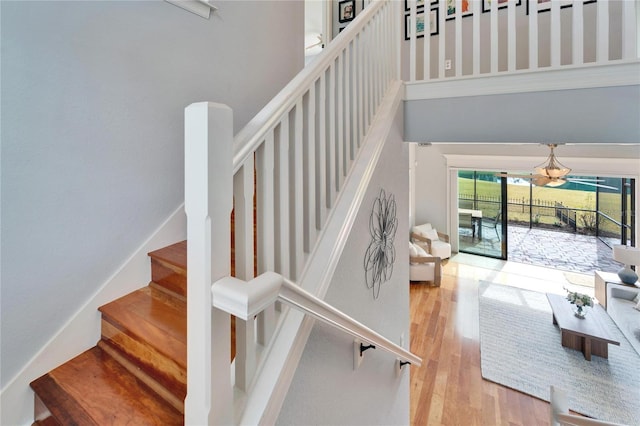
[626, 255]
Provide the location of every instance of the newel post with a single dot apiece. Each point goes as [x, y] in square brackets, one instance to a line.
[208, 204]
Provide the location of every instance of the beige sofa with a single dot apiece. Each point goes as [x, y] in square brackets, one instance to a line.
[622, 302]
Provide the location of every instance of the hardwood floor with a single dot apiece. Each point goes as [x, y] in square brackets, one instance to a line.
[448, 389]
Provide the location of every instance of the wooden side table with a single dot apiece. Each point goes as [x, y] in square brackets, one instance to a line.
[601, 281]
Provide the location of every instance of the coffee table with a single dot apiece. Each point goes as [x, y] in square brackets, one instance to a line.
[589, 335]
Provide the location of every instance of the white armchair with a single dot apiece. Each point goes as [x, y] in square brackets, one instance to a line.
[423, 267]
[434, 242]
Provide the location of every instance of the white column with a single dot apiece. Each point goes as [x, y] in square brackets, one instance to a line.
[208, 203]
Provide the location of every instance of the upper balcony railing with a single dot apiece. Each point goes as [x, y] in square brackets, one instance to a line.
[471, 38]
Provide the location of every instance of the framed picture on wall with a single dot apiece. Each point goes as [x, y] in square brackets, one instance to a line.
[420, 24]
[486, 4]
[346, 10]
[451, 8]
[434, 22]
[545, 5]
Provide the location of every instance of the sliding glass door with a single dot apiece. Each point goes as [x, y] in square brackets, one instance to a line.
[601, 207]
[481, 219]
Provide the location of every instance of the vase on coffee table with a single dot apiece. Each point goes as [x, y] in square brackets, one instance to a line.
[580, 301]
[580, 312]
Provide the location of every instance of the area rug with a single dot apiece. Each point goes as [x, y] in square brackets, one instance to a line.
[520, 348]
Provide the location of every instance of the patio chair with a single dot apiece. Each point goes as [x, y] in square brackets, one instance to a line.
[493, 223]
[466, 221]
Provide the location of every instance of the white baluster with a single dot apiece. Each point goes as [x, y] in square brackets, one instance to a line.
[375, 23]
[266, 233]
[208, 203]
[366, 46]
[511, 34]
[321, 153]
[426, 47]
[494, 36]
[458, 38]
[441, 48]
[310, 202]
[602, 31]
[556, 35]
[361, 87]
[297, 222]
[339, 159]
[245, 331]
[331, 140]
[476, 36]
[243, 188]
[630, 33]
[347, 116]
[412, 40]
[245, 353]
[355, 115]
[533, 35]
[282, 248]
[395, 38]
[577, 47]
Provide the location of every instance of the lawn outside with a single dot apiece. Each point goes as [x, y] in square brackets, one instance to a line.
[544, 201]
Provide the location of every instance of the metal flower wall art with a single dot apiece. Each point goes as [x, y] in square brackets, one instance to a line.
[381, 254]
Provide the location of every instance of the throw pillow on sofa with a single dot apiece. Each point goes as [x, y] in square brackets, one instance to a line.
[432, 234]
[412, 250]
[416, 251]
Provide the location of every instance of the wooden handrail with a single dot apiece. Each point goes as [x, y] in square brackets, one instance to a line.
[245, 300]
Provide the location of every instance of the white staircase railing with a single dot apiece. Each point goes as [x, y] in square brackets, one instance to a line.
[559, 412]
[483, 37]
[246, 300]
[294, 157]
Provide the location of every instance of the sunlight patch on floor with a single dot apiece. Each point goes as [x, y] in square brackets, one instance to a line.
[478, 268]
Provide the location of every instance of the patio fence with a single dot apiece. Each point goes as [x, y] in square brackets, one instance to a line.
[546, 213]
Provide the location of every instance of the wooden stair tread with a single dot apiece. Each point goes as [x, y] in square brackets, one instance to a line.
[154, 317]
[49, 421]
[175, 254]
[94, 389]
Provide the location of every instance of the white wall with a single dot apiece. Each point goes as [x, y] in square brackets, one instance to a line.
[325, 388]
[596, 115]
[93, 95]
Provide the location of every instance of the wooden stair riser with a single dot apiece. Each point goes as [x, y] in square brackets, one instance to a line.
[170, 277]
[169, 268]
[42, 415]
[151, 362]
[160, 389]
